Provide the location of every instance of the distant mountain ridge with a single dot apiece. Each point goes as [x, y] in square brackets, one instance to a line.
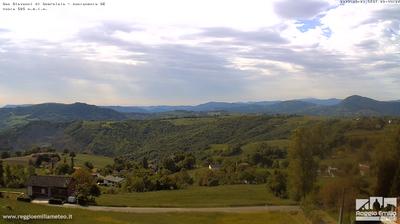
[55, 112]
[240, 107]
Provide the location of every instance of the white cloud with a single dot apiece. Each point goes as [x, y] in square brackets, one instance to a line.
[180, 51]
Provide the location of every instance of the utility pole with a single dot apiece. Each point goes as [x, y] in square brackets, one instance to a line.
[341, 209]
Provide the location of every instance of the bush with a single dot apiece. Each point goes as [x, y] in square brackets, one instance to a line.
[55, 201]
[110, 190]
[208, 178]
[277, 183]
[82, 202]
[24, 199]
[63, 169]
[182, 179]
[261, 176]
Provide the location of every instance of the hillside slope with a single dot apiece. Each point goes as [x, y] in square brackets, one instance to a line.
[55, 112]
[150, 137]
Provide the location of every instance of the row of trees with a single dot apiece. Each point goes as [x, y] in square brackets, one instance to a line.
[232, 173]
[387, 157]
[318, 141]
[14, 176]
[265, 155]
[35, 149]
[145, 180]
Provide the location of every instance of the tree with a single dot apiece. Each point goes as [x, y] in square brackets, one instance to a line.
[303, 166]
[277, 184]
[188, 162]
[31, 171]
[247, 175]
[7, 175]
[145, 163]
[208, 178]
[182, 179]
[136, 183]
[84, 185]
[95, 190]
[387, 155]
[119, 164]
[1, 174]
[88, 165]
[169, 164]
[261, 175]
[72, 155]
[63, 169]
[15, 176]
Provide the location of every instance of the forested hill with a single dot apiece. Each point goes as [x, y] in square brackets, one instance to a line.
[63, 112]
[205, 136]
[150, 137]
[55, 112]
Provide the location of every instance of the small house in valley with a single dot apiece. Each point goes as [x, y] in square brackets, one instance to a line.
[113, 181]
[51, 187]
[110, 180]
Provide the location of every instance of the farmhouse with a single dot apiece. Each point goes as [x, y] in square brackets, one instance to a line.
[51, 187]
[112, 181]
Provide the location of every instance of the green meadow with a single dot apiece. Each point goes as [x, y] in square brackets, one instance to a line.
[80, 216]
[219, 196]
[97, 160]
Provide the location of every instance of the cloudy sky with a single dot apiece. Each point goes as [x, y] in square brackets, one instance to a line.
[135, 52]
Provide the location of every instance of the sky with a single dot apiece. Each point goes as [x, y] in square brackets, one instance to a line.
[175, 52]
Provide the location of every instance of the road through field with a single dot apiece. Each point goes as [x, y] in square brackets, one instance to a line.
[283, 208]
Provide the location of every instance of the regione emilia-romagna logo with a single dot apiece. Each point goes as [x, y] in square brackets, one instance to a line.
[376, 209]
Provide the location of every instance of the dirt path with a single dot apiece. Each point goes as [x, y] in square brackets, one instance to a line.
[165, 210]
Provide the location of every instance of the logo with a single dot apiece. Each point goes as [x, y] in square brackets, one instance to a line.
[376, 209]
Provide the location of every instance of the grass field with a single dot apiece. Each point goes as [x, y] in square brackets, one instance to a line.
[23, 160]
[10, 207]
[194, 121]
[97, 161]
[252, 147]
[80, 159]
[227, 195]
[13, 189]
